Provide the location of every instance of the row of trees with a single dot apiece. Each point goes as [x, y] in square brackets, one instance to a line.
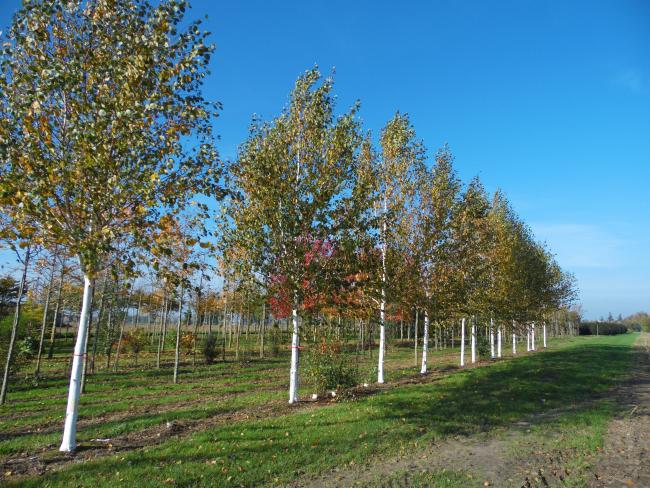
[135, 315]
[107, 154]
[318, 217]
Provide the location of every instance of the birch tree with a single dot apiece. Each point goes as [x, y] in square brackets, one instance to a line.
[396, 165]
[438, 191]
[103, 128]
[470, 240]
[295, 182]
[507, 291]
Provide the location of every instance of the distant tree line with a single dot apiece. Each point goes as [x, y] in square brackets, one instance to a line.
[602, 328]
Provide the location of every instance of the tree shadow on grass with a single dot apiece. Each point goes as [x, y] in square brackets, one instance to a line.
[485, 398]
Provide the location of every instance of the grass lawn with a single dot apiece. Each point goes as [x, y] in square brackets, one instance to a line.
[311, 439]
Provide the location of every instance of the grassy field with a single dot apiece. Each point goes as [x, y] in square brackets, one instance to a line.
[229, 425]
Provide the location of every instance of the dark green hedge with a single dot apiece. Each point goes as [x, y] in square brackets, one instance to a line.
[602, 328]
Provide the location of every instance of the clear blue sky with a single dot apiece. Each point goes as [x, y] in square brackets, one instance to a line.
[549, 100]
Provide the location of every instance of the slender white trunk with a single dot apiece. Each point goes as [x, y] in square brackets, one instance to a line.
[416, 336]
[263, 329]
[69, 442]
[473, 343]
[532, 337]
[544, 333]
[293, 373]
[382, 306]
[177, 350]
[382, 346]
[514, 344]
[499, 341]
[462, 342]
[425, 343]
[492, 338]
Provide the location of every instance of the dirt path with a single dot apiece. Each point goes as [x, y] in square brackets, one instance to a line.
[625, 460]
[485, 458]
[492, 459]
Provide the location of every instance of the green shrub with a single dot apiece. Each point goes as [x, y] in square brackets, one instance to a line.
[329, 368]
[25, 350]
[135, 341]
[210, 349]
[26, 347]
[369, 374]
[28, 326]
[483, 345]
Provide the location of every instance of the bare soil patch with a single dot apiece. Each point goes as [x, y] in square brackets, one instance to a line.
[625, 460]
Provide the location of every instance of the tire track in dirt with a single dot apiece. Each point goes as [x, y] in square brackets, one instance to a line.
[625, 459]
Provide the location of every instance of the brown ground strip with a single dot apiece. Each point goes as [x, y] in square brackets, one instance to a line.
[625, 459]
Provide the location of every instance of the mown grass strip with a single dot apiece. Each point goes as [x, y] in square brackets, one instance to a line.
[276, 450]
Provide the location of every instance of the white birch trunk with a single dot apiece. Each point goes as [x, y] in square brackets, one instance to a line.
[544, 333]
[293, 373]
[263, 329]
[528, 338]
[425, 343]
[69, 442]
[514, 344]
[499, 341]
[532, 337]
[462, 342]
[382, 346]
[382, 306]
[177, 350]
[473, 343]
[416, 336]
[492, 338]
